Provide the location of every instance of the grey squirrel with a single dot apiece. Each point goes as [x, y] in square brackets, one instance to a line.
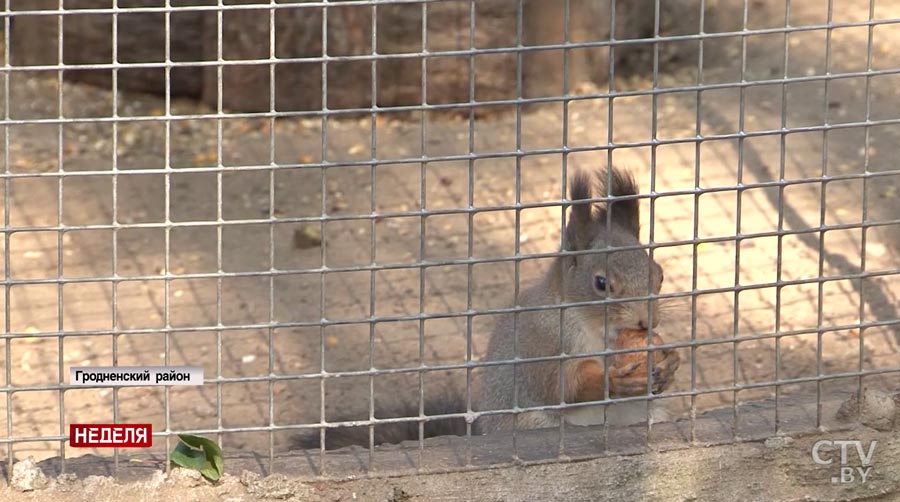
[573, 278]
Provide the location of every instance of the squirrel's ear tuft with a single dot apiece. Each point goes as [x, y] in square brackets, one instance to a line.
[581, 228]
[626, 213]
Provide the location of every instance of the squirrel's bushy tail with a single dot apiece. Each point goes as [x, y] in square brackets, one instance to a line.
[393, 433]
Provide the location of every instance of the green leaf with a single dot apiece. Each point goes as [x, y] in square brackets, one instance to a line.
[187, 457]
[200, 454]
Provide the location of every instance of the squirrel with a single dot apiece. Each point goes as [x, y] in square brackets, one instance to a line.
[577, 278]
[609, 273]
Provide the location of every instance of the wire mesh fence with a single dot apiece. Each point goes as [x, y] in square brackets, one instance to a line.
[363, 216]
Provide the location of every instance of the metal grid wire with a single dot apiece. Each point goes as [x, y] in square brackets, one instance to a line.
[369, 217]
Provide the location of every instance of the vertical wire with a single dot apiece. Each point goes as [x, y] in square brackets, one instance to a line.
[738, 238]
[606, 255]
[698, 135]
[610, 143]
[60, 308]
[782, 151]
[423, 176]
[518, 216]
[324, 244]
[567, 21]
[654, 118]
[167, 229]
[471, 237]
[220, 98]
[372, 182]
[115, 216]
[865, 193]
[272, 220]
[470, 247]
[6, 237]
[823, 193]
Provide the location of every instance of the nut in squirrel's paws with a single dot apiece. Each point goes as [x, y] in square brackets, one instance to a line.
[628, 372]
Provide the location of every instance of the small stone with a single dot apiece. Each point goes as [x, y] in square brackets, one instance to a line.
[248, 478]
[185, 477]
[67, 482]
[129, 137]
[308, 236]
[66, 479]
[27, 476]
[399, 495]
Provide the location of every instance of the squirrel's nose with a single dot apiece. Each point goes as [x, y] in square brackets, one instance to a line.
[643, 323]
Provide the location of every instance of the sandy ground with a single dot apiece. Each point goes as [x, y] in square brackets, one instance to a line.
[224, 323]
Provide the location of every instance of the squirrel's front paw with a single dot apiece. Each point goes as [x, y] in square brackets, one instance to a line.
[664, 371]
[631, 380]
[628, 373]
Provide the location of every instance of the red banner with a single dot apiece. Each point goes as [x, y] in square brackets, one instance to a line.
[110, 435]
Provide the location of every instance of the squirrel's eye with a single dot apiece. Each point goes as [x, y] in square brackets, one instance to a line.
[600, 283]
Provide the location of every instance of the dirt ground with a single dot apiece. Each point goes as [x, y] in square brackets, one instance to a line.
[229, 323]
